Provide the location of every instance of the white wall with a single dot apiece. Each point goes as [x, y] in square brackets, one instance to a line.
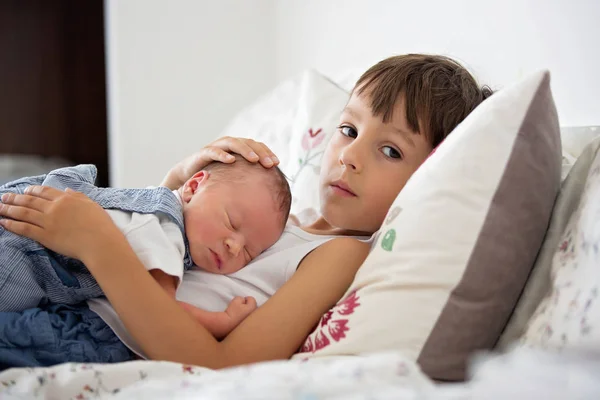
[499, 40]
[177, 70]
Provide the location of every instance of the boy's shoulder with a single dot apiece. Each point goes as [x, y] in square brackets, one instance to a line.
[342, 247]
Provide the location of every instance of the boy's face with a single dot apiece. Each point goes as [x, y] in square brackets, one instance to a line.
[228, 224]
[366, 164]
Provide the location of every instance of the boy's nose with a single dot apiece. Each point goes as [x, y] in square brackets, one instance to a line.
[350, 157]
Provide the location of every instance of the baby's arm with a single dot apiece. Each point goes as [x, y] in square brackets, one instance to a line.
[219, 324]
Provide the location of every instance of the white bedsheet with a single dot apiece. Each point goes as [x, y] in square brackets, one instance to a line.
[376, 376]
[522, 374]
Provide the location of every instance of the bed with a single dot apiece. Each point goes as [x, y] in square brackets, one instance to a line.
[293, 119]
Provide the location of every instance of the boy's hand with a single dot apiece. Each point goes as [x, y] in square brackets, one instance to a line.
[240, 308]
[219, 150]
[67, 222]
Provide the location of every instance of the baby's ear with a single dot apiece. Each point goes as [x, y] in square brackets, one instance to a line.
[191, 186]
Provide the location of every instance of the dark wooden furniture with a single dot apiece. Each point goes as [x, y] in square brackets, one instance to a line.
[52, 80]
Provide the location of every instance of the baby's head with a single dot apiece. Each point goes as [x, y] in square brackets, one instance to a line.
[233, 212]
[399, 110]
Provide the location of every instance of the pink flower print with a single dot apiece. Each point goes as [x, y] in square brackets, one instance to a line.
[326, 317]
[307, 346]
[321, 340]
[347, 306]
[312, 139]
[564, 246]
[338, 328]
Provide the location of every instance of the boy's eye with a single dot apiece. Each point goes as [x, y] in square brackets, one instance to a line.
[391, 152]
[348, 131]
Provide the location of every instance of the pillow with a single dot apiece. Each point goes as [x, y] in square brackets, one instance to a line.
[539, 282]
[269, 118]
[569, 317]
[320, 105]
[574, 140]
[296, 120]
[458, 242]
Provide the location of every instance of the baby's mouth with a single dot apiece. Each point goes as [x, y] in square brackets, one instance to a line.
[216, 259]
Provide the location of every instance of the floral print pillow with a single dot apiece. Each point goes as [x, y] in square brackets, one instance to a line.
[320, 105]
[569, 317]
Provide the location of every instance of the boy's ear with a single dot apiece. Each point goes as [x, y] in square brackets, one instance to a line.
[193, 184]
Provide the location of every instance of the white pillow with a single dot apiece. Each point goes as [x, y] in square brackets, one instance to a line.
[269, 118]
[459, 241]
[319, 107]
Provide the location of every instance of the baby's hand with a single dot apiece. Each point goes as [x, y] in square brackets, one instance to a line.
[240, 308]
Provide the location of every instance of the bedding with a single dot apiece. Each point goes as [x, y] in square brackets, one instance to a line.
[522, 374]
[569, 315]
[539, 281]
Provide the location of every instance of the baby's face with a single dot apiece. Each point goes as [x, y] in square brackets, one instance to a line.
[228, 224]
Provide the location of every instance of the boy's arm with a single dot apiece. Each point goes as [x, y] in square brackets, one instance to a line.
[219, 324]
[166, 281]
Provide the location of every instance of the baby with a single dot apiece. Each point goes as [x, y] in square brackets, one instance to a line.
[218, 221]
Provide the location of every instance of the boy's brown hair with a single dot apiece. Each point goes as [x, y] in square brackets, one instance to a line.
[439, 92]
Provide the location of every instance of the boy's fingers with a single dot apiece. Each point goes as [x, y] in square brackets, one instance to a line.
[44, 192]
[22, 214]
[23, 229]
[244, 149]
[221, 155]
[267, 158]
[32, 202]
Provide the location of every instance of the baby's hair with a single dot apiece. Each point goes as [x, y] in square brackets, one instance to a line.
[439, 93]
[275, 179]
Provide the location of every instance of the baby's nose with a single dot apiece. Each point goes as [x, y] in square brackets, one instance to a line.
[233, 246]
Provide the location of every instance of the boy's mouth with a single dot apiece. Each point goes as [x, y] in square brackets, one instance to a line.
[216, 259]
[340, 187]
